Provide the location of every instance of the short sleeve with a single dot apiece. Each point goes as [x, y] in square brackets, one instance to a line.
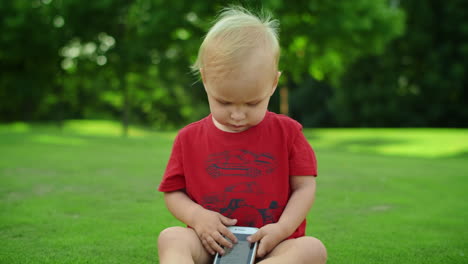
[174, 178]
[302, 160]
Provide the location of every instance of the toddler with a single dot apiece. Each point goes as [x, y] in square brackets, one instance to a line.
[241, 165]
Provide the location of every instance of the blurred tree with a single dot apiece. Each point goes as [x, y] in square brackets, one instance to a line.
[26, 60]
[88, 60]
[311, 102]
[130, 60]
[148, 59]
[420, 79]
[321, 39]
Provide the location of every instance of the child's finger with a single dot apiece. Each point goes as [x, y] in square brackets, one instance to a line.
[222, 241]
[256, 237]
[263, 243]
[263, 248]
[228, 234]
[227, 221]
[207, 246]
[214, 246]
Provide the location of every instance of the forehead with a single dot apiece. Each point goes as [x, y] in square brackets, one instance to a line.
[238, 90]
[250, 79]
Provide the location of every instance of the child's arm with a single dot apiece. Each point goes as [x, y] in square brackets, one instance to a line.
[299, 204]
[209, 225]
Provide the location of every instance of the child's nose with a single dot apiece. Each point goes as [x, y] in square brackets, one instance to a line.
[237, 115]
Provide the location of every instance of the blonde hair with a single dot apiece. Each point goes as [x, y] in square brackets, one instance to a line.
[236, 34]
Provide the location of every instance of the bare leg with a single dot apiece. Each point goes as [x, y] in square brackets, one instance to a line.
[181, 245]
[305, 250]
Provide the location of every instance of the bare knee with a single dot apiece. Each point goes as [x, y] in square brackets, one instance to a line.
[308, 250]
[171, 236]
[180, 245]
[315, 249]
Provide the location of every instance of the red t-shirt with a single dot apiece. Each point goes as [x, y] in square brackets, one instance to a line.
[242, 175]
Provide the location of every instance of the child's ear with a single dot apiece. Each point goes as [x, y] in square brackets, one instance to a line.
[202, 74]
[277, 77]
[275, 83]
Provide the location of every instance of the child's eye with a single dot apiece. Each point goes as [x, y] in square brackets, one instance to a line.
[224, 102]
[253, 104]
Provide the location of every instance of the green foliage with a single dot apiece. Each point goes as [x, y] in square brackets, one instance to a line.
[322, 38]
[309, 103]
[419, 80]
[101, 59]
[130, 60]
[26, 59]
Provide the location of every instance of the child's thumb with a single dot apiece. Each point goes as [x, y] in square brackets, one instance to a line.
[228, 221]
[255, 237]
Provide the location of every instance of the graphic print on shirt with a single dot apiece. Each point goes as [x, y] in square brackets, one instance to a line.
[240, 163]
[245, 200]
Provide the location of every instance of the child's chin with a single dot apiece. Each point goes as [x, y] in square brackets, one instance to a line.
[236, 129]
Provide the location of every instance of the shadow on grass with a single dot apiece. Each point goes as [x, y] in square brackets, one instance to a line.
[369, 146]
[368, 143]
[86, 128]
[418, 143]
[461, 155]
[43, 134]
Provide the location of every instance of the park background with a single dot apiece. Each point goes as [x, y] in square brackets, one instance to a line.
[92, 94]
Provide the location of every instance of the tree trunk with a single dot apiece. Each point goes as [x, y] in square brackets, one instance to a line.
[126, 105]
[60, 104]
[284, 103]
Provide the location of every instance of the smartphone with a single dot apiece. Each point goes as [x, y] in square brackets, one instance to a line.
[243, 252]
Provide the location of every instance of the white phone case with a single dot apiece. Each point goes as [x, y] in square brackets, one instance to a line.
[243, 252]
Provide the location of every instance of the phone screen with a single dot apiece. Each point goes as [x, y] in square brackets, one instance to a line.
[241, 252]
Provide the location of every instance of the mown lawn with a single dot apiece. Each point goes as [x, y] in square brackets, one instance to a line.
[87, 195]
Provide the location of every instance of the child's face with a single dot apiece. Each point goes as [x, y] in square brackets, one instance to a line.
[239, 98]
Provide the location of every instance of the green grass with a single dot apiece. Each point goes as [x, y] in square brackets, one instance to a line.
[86, 195]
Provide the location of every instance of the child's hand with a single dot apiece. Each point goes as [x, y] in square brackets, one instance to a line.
[212, 231]
[269, 236]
